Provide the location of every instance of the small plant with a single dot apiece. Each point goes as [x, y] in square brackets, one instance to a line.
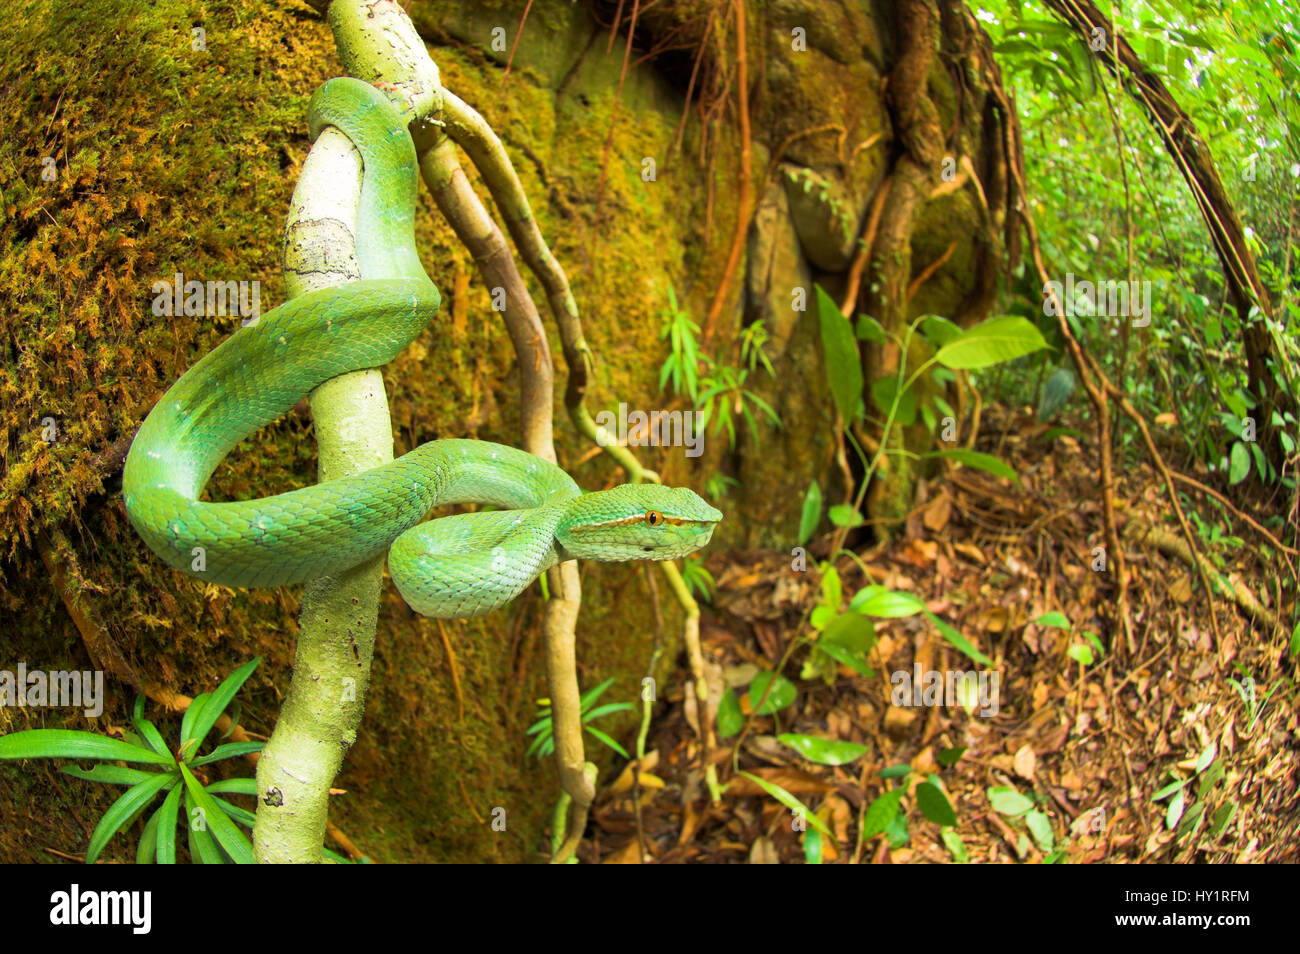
[544, 727]
[214, 837]
[1024, 809]
[698, 580]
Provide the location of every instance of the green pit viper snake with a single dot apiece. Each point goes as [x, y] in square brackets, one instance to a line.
[452, 567]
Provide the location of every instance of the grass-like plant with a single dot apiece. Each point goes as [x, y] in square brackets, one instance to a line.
[212, 823]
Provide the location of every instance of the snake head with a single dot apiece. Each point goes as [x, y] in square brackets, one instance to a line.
[636, 522]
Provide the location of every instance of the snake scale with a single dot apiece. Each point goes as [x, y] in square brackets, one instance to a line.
[450, 567]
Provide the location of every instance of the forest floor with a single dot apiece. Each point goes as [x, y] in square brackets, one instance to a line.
[1098, 749]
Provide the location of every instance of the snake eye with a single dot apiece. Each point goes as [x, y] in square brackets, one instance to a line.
[654, 518]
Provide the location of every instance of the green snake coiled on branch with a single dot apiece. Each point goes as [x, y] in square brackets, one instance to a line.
[452, 567]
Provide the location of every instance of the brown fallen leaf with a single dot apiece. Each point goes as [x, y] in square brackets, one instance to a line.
[1025, 762]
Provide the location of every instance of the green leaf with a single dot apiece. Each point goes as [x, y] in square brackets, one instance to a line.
[781, 695]
[901, 770]
[812, 513]
[881, 812]
[1239, 468]
[949, 757]
[227, 834]
[871, 330]
[215, 703]
[956, 847]
[241, 815]
[934, 803]
[144, 851]
[203, 850]
[1056, 393]
[1222, 818]
[1295, 642]
[986, 462]
[730, 718]
[883, 392]
[123, 810]
[1007, 801]
[789, 801]
[847, 640]
[897, 834]
[884, 603]
[991, 342]
[812, 846]
[939, 330]
[958, 640]
[74, 744]
[1041, 829]
[832, 591]
[1168, 790]
[1175, 810]
[148, 731]
[166, 816]
[1206, 757]
[607, 740]
[109, 774]
[843, 370]
[591, 695]
[823, 751]
[229, 751]
[1081, 654]
[234, 786]
[1053, 619]
[845, 515]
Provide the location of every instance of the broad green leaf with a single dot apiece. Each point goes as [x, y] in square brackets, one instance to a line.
[832, 591]
[847, 640]
[956, 847]
[871, 330]
[881, 812]
[781, 695]
[991, 342]
[949, 757]
[215, 703]
[812, 513]
[897, 833]
[812, 846]
[885, 603]
[74, 744]
[1222, 818]
[789, 801]
[109, 774]
[823, 751]
[986, 462]
[123, 810]
[1081, 654]
[1175, 810]
[166, 816]
[1053, 619]
[845, 515]
[227, 834]
[843, 370]
[730, 718]
[1007, 801]
[939, 330]
[1239, 467]
[901, 770]
[883, 391]
[1168, 790]
[1041, 829]
[934, 803]
[1206, 757]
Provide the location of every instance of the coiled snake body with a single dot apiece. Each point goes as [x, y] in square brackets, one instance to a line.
[452, 567]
